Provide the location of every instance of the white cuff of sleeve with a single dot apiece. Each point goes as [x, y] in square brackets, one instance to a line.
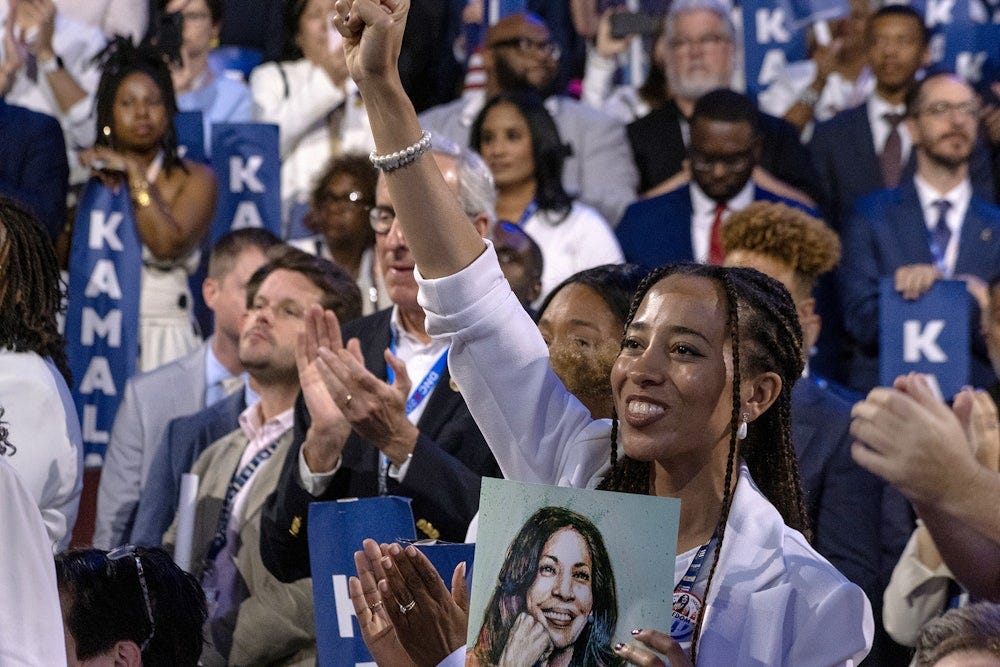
[455, 659]
[315, 483]
[398, 472]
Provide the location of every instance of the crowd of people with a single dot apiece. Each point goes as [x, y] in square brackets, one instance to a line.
[539, 272]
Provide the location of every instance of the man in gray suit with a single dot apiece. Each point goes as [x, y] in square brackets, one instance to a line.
[185, 386]
[520, 53]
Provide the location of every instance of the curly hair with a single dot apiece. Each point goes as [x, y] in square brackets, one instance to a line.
[787, 234]
[358, 167]
[119, 59]
[518, 573]
[766, 336]
[975, 628]
[31, 288]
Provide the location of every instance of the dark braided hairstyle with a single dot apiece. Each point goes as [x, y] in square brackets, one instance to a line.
[766, 336]
[117, 61]
[31, 289]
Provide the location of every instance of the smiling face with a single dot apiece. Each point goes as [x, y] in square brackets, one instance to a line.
[561, 598]
[273, 324]
[140, 114]
[506, 146]
[672, 381]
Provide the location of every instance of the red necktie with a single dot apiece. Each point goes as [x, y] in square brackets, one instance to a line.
[715, 240]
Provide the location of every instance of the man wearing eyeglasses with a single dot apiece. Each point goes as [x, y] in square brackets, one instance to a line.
[931, 227]
[685, 224]
[701, 56]
[422, 444]
[520, 53]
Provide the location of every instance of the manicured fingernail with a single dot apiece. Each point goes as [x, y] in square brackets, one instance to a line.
[619, 646]
[387, 562]
[636, 631]
[411, 551]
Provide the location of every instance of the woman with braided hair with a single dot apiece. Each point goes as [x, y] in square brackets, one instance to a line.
[701, 393]
[45, 445]
[173, 199]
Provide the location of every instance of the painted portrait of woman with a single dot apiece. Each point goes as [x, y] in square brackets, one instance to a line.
[555, 602]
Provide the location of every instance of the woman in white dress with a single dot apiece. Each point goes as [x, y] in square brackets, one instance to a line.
[173, 199]
[702, 387]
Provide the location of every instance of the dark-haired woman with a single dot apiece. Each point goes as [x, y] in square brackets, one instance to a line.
[520, 142]
[555, 602]
[173, 200]
[702, 386]
[311, 98]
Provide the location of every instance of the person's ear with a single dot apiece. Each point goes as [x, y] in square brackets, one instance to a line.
[489, 59]
[535, 291]
[811, 322]
[127, 654]
[760, 393]
[758, 149]
[482, 225]
[210, 289]
[913, 128]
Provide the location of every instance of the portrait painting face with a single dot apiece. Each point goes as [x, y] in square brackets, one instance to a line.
[561, 597]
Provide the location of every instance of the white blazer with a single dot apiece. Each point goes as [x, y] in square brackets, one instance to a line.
[774, 600]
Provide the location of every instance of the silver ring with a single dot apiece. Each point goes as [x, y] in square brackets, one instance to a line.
[403, 608]
[375, 605]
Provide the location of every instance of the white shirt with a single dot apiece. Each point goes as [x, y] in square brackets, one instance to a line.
[31, 633]
[703, 215]
[876, 107]
[959, 198]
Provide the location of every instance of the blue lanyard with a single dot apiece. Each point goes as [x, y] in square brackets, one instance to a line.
[687, 581]
[528, 212]
[237, 482]
[426, 385]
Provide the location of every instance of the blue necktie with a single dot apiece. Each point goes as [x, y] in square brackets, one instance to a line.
[941, 234]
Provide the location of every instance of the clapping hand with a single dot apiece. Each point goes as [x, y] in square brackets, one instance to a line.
[329, 429]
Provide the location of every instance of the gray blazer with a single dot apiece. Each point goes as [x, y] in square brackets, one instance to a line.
[600, 170]
[150, 401]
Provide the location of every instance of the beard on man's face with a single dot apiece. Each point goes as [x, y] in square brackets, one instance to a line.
[508, 78]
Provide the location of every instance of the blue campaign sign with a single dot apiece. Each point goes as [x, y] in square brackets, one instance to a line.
[929, 335]
[247, 161]
[102, 318]
[336, 530]
[771, 39]
[190, 135]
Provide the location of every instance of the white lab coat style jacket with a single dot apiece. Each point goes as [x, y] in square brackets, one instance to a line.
[773, 601]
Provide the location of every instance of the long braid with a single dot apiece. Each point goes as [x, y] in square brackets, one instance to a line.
[734, 424]
[31, 289]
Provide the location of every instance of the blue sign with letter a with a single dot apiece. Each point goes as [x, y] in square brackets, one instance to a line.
[247, 160]
[929, 335]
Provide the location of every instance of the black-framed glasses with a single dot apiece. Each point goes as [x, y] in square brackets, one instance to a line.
[732, 163]
[546, 48]
[331, 199]
[131, 551]
[381, 218]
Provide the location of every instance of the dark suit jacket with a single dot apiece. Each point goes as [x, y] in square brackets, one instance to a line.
[843, 500]
[658, 147]
[443, 479]
[657, 231]
[33, 168]
[843, 153]
[186, 438]
[887, 231]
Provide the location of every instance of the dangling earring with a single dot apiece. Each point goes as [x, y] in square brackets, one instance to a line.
[741, 432]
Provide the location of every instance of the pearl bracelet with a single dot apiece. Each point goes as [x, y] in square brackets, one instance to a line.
[401, 158]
